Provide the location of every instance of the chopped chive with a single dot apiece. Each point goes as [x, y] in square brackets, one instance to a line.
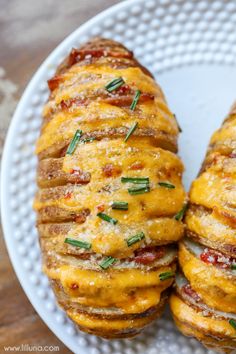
[107, 218]
[135, 180]
[120, 205]
[233, 266]
[139, 190]
[106, 263]
[179, 216]
[114, 84]
[135, 238]
[74, 142]
[166, 185]
[78, 243]
[135, 100]
[232, 323]
[166, 275]
[131, 130]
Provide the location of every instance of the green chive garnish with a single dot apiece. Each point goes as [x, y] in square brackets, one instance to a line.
[131, 130]
[166, 275]
[107, 218]
[232, 323]
[180, 214]
[166, 185]
[135, 238]
[139, 190]
[135, 100]
[120, 205]
[106, 263]
[114, 84]
[233, 266]
[78, 243]
[74, 142]
[135, 180]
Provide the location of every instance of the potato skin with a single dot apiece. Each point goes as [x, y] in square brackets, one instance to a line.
[117, 302]
[210, 223]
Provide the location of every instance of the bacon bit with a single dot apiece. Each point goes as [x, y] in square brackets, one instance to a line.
[122, 99]
[68, 195]
[146, 97]
[137, 166]
[54, 82]
[101, 207]
[72, 57]
[124, 89]
[125, 100]
[81, 218]
[232, 155]
[190, 292]
[78, 55]
[65, 104]
[74, 286]
[110, 170]
[119, 101]
[213, 257]
[148, 255]
[75, 172]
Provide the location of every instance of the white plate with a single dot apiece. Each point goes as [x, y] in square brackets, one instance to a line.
[190, 46]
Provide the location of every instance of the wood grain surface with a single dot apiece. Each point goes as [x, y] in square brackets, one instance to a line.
[29, 30]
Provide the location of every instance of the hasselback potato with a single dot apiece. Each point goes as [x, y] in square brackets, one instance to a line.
[204, 303]
[110, 197]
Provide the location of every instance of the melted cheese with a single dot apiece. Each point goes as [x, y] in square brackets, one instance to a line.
[211, 283]
[196, 320]
[100, 323]
[130, 290]
[136, 301]
[123, 155]
[64, 124]
[208, 225]
[214, 190]
[133, 290]
[158, 165]
[154, 114]
[111, 241]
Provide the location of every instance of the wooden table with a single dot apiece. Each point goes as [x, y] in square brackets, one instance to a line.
[29, 30]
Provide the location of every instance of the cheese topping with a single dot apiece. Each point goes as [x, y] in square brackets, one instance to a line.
[210, 226]
[133, 290]
[187, 314]
[211, 283]
[79, 183]
[154, 114]
[215, 190]
[111, 325]
[110, 240]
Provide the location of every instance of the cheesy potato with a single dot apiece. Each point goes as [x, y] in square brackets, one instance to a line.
[110, 197]
[204, 301]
